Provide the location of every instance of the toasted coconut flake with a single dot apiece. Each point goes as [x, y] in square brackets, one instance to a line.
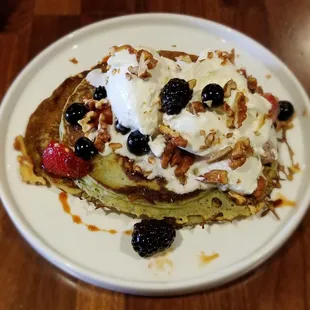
[229, 86]
[216, 177]
[220, 155]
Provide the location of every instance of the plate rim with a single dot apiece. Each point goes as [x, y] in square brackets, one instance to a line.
[128, 286]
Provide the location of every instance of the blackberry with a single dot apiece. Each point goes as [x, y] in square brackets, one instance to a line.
[152, 236]
[175, 96]
[100, 93]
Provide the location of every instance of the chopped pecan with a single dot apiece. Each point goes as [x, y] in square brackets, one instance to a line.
[242, 71]
[225, 56]
[151, 160]
[115, 146]
[101, 103]
[88, 121]
[252, 83]
[230, 122]
[209, 139]
[220, 155]
[241, 108]
[128, 76]
[260, 192]
[216, 176]
[185, 58]
[176, 158]
[202, 132]
[184, 166]
[167, 154]
[106, 116]
[192, 83]
[196, 107]
[173, 135]
[103, 136]
[229, 135]
[147, 57]
[239, 154]
[228, 87]
[210, 55]
[116, 49]
[133, 70]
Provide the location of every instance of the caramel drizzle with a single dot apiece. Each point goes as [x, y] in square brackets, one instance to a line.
[63, 198]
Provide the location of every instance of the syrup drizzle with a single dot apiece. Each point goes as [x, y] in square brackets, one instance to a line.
[63, 198]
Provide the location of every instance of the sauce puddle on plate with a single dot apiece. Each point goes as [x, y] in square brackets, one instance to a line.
[63, 198]
[206, 259]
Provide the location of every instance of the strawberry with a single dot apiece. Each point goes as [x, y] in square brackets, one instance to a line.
[275, 109]
[60, 161]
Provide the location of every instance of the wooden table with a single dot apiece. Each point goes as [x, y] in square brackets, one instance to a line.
[27, 281]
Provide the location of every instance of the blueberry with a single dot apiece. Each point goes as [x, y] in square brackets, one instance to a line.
[286, 110]
[84, 148]
[100, 93]
[137, 143]
[120, 128]
[175, 96]
[213, 92]
[75, 112]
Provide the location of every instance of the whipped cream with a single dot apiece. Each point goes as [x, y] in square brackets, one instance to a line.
[135, 103]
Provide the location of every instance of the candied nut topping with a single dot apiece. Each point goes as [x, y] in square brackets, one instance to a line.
[210, 55]
[228, 87]
[196, 107]
[173, 135]
[151, 160]
[147, 58]
[239, 154]
[216, 176]
[88, 121]
[167, 154]
[240, 103]
[184, 166]
[230, 122]
[177, 158]
[185, 58]
[220, 155]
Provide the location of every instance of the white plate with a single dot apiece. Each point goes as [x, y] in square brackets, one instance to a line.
[108, 260]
